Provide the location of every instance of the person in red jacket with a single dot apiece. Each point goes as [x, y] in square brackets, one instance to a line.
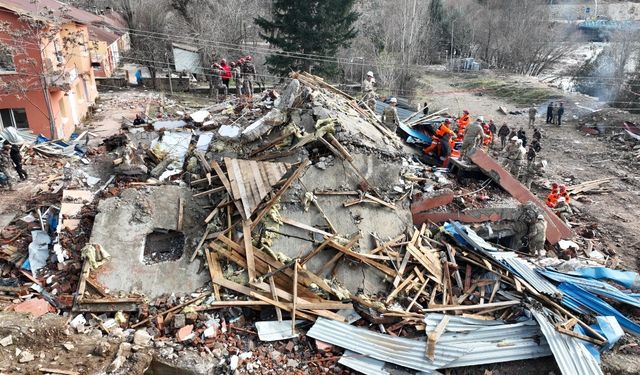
[226, 75]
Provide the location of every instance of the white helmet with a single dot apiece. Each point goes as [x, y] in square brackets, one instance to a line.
[561, 199]
[480, 118]
[544, 163]
[369, 74]
[515, 138]
[393, 100]
[540, 217]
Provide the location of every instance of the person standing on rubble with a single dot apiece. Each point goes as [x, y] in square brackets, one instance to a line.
[226, 73]
[531, 171]
[514, 157]
[503, 133]
[537, 136]
[522, 135]
[550, 113]
[463, 122]
[425, 109]
[370, 96]
[5, 162]
[563, 210]
[473, 136]
[494, 130]
[537, 237]
[390, 117]
[16, 158]
[236, 73]
[444, 133]
[564, 193]
[554, 114]
[553, 196]
[249, 74]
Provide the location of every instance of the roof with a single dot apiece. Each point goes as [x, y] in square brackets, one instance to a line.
[59, 9]
[186, 47]
[100, 34]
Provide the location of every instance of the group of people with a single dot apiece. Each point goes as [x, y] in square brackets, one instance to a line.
[559, 200]
[10, 155]
[520, 161]
[555, 111]
[243, 72]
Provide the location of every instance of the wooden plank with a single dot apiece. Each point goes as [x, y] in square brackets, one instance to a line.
[403, 266]
[274, 295]
[433, 336]
[258, 178]
[294, 176]
[472, 307]
[295, 298]
[248, 248]
[200, 243]
[223, 178]
[306, 227]
[214, 270]
[175, 308]
[432, 267]
[97, 287]
[314, 252]
[413, 301]
[251, 293]
[180, 223]
[57, 371]
[379, 266]
[209, 192]
[238, 184]
[397, 290]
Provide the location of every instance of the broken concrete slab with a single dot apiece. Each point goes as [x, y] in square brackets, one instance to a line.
[427, 201]
[556, 228]
[36, 307]
[122, 226]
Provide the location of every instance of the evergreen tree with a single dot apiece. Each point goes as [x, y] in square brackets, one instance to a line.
[308, 27]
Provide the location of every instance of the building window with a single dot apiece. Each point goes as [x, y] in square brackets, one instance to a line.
[63, 108]
[6, 60]
[16, 117]
[96, 65]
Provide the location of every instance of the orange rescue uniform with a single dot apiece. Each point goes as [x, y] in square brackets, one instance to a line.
[462, 124]
[552, 199]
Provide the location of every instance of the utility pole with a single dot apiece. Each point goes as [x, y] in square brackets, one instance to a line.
[166, 55]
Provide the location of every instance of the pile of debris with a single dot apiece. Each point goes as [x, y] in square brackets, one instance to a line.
[300, 212]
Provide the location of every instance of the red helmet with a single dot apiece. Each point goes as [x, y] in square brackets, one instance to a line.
[223, 61]
[447, 121]
[241, 61]
[485, 127]
[233, 63]
[554, 185]
[249, 58]
[563, 188]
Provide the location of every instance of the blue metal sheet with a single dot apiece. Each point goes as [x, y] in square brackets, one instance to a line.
[628, 279]
[584, 302]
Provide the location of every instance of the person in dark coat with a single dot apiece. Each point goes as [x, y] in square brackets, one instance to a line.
[549, 112]
[560, 113]
[16, 158]
[503, 133]
[523, 136]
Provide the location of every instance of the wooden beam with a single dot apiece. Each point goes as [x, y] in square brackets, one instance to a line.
[175, 308]
[248, 248]
[295, 297]
[180, 223]
[209, 192]
[434, 335]
[274, 295]
[473, 307]
[214, 270]
[227, 185]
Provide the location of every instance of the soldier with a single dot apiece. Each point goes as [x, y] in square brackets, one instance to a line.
[236, 73]
[537, 237]
[473, 136]
[249, 74]
[390, 115]
[369, 97]
[532, 171]
[5, 163]
[514, 157]
[216, 81]
[533, 111]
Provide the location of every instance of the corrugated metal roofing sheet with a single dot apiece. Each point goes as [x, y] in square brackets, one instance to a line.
[483, 353]
[571, 356]
[526, 270]
[363, 364]
[400, 351]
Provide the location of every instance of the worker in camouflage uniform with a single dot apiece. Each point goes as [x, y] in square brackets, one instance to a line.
[249, 74]
[563, 210]
[537, 237]
[216, 82]
[370, 96]
[473, 136]
[531, 171]
[390, 117]
[514, 157]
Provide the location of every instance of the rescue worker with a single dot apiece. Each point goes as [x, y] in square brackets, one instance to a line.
[488, 137]
[473, 136]
[514, 157]
[463, 122]
[549, 112]
[390, 115]
[16, 158]
[531, 171]
[226, 73]
[249, 75]
[5, 162]
[560, 113]
[553, 196]
[537, 237]
[522, 135]
[445, 134]
[533, 111]
[216, 81]
[503, 133]
[554, 114]
[138, 120]
[370, 96]
[535, 144]
[564, 193]
[531, 155]
[236, 73]
[536, 134]
[563, 210]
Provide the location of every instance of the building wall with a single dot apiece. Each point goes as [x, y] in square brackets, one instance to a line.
[71, 94]
[100, 53]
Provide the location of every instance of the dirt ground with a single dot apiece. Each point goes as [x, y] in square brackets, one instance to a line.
[573, 156]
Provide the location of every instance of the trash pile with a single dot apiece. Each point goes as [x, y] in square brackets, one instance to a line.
[295, 232]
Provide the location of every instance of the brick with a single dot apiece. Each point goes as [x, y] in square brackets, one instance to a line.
[423, 202]
[36, 307]
[179, 321]
[184, 333]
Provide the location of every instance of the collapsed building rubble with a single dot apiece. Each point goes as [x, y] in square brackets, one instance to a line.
[300, 219]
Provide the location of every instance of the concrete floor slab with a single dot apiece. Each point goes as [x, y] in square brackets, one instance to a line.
[121, 227]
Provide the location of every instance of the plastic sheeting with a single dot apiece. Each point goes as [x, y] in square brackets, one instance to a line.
[38, 250]
[628, 279]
